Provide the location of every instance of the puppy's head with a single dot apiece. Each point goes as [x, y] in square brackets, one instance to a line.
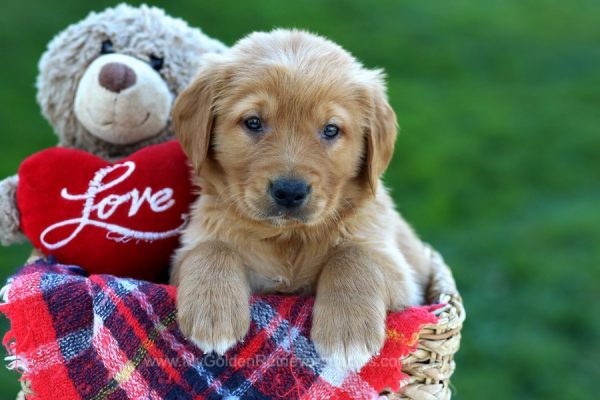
[287, 127]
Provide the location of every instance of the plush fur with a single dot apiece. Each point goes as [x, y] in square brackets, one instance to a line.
[120, 123]
[347, 244]
[10, 231]
[123, 116]
[134, 31]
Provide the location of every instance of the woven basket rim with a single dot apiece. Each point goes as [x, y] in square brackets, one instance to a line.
[430, 367]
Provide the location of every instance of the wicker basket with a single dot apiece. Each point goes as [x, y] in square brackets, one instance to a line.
[430, 367]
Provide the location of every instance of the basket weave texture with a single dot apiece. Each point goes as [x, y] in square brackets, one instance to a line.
[430, 367]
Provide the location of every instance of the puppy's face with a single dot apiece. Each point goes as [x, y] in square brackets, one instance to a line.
[287, 127]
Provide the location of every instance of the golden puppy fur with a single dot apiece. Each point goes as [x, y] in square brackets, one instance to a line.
[346, 244]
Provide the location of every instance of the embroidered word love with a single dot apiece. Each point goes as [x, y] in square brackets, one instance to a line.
[158, 202]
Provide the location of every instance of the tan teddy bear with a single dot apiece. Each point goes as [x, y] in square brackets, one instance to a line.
[107, 83]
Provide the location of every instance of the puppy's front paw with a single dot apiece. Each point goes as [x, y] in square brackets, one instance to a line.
[213, 321]
[347, 333]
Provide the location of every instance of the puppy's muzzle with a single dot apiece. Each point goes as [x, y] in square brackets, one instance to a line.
[289, 193]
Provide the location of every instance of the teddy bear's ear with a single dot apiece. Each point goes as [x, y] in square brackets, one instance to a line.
[193, 115]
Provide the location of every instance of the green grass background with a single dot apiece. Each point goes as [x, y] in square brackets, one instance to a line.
[497, 164]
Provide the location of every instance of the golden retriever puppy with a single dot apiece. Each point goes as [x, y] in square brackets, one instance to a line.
[289, 135]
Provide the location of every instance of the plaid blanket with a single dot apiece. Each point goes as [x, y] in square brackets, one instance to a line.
[101, 337]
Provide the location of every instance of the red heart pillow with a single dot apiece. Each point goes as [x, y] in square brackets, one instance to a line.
[121, 218]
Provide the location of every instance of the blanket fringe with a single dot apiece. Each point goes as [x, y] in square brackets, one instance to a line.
[4, 291]
[13, 361]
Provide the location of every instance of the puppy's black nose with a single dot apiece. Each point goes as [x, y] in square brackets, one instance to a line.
[116, 76]
[289, 193]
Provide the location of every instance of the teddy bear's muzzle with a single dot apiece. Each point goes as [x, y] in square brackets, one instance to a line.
[122, 100]
[116, 77]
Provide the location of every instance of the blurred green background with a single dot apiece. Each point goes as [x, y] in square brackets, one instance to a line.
[497, 164]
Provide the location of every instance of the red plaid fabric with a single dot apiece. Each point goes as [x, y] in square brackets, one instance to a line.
[101, 337]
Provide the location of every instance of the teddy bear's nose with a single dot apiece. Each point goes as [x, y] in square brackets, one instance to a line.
[116, 77]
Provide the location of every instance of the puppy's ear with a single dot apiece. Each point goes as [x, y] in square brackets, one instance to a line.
[381, 132]
[193, 115]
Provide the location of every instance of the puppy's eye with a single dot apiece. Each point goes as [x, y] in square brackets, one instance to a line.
[156, 62]
[107, 47]
[253, 124]
[330, 131]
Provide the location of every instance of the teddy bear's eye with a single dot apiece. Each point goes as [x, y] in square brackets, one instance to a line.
[107, 47]
[156, 62]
